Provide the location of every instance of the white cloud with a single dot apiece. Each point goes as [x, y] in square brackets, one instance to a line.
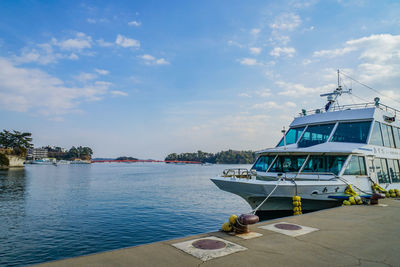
[54, 50]
[91, 21]
[79, 43]
[298, 90]
[334, 52]
[244, 95]
[273, 105]
[282, 51]
[118, 93]
[161, 61]
[24, 89]
[151, 60]
[378, 57]
[234, 43]
[255, 31]
[279, 39]
[85, 77]
[103, 43]
[286, 21]
[303, 4]
[42, 54]
[126, 42]
[380, 47]
[73, 56]
[148, 57]
[249, 61]
[134, 23]
[102, 72]
[264, 92]
[255, 50]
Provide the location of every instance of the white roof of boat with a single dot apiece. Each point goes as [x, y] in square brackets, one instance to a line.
[367, 113]
[328, 147]
[342, 115]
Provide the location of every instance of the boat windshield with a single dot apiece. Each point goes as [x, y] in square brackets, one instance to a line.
[316, 134]
[263, 162]
[288, 163]
[324, 164]
[292, 136]
[352, 132]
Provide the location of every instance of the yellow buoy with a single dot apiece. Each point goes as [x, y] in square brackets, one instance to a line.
[346, 203]
[297, 198]
[232, 219]
[387, 194]
[393, 195]
[227, 227]
[296, 203]
[296, 209]
[352, 200]
[391, 191]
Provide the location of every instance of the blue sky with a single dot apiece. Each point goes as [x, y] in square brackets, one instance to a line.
[148, 78]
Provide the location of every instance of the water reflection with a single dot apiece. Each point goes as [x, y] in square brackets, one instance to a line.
[12, 184]
[53, 212]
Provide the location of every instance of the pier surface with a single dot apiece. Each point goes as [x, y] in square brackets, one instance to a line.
[343, 236]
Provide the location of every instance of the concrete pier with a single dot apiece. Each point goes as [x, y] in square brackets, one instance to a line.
[343, 236]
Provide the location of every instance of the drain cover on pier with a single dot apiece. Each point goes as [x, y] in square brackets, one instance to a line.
[287, 226]
[289, 229]
[208, 248]
[208, 244]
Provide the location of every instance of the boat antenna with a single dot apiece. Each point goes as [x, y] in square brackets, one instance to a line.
[333, 97]
[284, 138]
[338, 78]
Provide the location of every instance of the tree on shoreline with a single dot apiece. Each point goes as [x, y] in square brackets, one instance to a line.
[80, 152]
[223, 157]
[18, 142]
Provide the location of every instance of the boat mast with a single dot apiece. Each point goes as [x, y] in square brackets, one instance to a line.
[332, 97]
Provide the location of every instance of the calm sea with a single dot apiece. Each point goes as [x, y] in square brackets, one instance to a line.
[55, 212]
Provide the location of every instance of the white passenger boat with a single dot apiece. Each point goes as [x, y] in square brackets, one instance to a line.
[323, 152]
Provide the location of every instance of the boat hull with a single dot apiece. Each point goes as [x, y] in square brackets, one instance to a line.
[315, 194]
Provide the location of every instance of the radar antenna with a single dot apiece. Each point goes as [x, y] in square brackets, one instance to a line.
[332, 97]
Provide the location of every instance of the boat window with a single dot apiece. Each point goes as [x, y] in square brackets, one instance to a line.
[387, 135]
[352, 132]
[376, 136]
[381, 170]
[394, 170]
[263, 162]
[324, 164]
[396, 132]
[356, 166]
[288, 163]
[292, 136]
[316, 134]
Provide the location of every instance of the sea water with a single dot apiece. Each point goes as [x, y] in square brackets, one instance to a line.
[55, 212]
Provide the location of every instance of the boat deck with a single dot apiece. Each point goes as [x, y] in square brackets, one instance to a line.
[343, 236]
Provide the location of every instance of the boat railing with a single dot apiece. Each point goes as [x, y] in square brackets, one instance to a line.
[319, 174]
[350, 107]
[238, 173]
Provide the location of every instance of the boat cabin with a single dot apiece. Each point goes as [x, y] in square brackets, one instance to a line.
[353, 140]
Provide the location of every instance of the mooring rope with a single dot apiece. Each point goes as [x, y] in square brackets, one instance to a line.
[273, 190]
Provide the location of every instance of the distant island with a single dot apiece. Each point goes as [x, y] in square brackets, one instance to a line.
[126, 158]
[223, 157]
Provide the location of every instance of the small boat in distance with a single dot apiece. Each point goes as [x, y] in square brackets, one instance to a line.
[44, 161]
[62, 162]
[323, 152]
